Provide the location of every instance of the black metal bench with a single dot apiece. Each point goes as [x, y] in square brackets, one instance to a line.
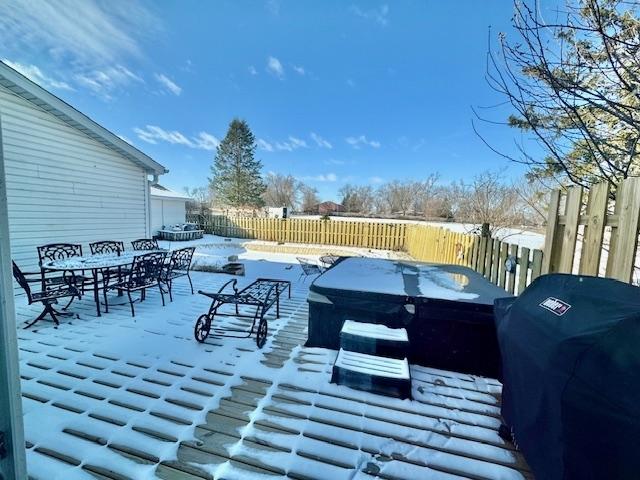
[261, 294]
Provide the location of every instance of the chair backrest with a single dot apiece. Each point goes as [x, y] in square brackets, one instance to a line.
[58, 251]
[146, 269]
[181, 259]
[308, 267]
[21, 280]
[107, 246]
[145, 244]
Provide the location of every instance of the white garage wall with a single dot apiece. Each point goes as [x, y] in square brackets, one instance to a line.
[166, 211]
[63, 186]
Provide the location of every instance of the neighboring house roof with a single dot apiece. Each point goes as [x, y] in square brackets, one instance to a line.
[329, 204]
[163, 192]
[30, 91]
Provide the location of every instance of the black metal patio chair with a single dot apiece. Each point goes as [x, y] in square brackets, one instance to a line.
[59, 251]
[145, 244]
[145, 273]
[308, 268]
[114, 273]
[107, 246]
[49, 295]
[179, 266]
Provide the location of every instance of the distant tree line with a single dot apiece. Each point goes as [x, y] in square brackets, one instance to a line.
[237, 183]
[486, 198]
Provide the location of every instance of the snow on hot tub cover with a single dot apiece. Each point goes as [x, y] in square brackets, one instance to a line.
[570, 349]
[405, 278]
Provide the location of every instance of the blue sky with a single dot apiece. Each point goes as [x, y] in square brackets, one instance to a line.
[335, 92]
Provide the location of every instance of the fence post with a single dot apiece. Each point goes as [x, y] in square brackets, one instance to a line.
[551, 248]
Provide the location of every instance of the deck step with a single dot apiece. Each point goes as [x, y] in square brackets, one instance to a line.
[381, 375]
[374, 339]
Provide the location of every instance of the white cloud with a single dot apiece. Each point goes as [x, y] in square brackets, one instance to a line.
[252, 70]
[376, 180]
[333, 161]
[273, 7]
[154, 134]
[297, 142]
[206, 141]
[323, 177]
[89, 31]
[36, 75]
[321, 142]
[292, 143]
[299, 69]
[90, 43]
[360, 141]
[377, 15]
[274, 67]
[105, 81]
[168, 84]
[264, 145]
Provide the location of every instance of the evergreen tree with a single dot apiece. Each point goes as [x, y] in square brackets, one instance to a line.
[236, 179]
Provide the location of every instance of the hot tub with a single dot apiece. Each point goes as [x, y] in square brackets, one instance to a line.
[446, 309]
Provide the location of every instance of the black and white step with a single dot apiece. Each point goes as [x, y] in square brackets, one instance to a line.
[374, 339]
[381, 375]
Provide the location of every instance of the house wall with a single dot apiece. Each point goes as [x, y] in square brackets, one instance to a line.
[166, 211]
[62, 186]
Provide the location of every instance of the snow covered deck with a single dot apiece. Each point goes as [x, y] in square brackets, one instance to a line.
[117, 398]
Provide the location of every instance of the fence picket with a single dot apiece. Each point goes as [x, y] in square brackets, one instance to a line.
[553, 229]
[594, 229]
[570, 233]
[628, 217]
[523, 271]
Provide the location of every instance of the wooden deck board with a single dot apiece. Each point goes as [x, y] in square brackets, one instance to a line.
[259, 424]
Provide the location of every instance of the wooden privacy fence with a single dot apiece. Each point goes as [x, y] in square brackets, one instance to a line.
[487, 256]
[386, 236]
[591, 234]
[423, 242]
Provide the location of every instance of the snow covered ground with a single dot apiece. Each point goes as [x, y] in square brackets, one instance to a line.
[214, 251]
[118, 397]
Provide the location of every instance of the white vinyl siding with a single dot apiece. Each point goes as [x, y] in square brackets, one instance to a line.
[63, 186]
[166, 211]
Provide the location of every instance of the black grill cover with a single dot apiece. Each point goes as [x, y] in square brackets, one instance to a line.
[570, 350]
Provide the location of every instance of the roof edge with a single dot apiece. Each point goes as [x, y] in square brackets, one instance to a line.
[69, 115]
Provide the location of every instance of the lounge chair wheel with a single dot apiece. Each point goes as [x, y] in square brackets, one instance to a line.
[261, 335]
[201, 331]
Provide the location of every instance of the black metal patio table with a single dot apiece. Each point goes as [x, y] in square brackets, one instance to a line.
[96, 264]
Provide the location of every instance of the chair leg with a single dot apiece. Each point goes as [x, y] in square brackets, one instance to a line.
[68, 304]
[170, 287]
[162, 292]
[39, 317]
[52, 312]
[104, 294]
[106, 302]
[190, 282]
[133, 312]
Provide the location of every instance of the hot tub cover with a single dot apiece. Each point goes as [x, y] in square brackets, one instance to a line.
[381, 277]
[570, 348]
[447, 310]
